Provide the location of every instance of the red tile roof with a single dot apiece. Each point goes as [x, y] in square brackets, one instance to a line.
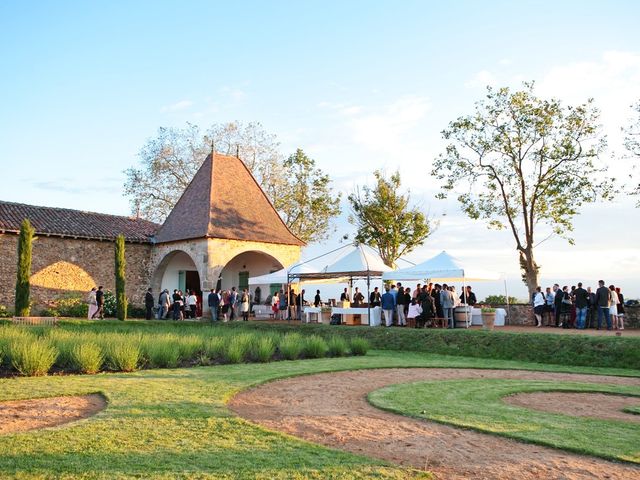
[75, 223]
[224, 201]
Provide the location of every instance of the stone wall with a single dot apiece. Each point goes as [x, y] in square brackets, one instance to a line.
[64, 265]
[521, 314]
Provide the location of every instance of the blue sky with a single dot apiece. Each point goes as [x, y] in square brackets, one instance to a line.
[358, 85]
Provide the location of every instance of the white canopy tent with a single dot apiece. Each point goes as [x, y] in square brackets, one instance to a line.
[443, 268]
[283, 276]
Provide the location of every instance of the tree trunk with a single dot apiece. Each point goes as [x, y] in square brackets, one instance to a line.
[530, 270]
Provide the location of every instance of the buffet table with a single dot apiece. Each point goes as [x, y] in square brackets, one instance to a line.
[317, 311]
[349, 314]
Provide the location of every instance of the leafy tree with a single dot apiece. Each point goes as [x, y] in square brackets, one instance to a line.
[120, 264]
[170, 160]
[632, 142]
[308, 204]
[525, 161]
[23, 287]
[385, 221]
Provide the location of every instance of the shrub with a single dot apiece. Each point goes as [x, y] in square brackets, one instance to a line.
[238, 348]
[110, 307]
[359, 346]
[291, 346]
[214, 348]
[123, 356]
[86, 358]
[338, 347]
[263, 349]
[5, 312]
[71, 305]
[34, 357]
[161, 352]
[315, 347]
[189, 346]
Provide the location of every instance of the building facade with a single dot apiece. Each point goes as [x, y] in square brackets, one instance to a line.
[221, 231]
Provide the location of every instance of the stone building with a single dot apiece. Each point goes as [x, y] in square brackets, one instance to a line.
[222, 230]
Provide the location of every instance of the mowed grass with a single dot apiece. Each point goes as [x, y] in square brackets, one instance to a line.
[478, 404]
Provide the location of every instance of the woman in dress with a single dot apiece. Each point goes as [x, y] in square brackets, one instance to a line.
[226, 303]
[620, 308]
[244, 305]
[613, 306]
[93, 304]
[275, 304]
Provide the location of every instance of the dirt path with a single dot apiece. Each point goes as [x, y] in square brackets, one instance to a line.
[23, 415]
[331, 409]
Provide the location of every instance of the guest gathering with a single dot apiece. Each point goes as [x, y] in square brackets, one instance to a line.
[428, 305]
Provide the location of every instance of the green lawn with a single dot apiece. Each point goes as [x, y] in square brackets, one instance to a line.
[478, 404]
[174, 424]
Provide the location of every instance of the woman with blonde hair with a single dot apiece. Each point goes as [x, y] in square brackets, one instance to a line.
[613, 306]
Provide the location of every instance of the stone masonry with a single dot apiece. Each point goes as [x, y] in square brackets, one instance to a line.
[61, 266]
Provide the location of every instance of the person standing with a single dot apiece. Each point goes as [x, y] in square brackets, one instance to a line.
[275, 304]
[603, 300]
[620, 308]
[192, 304]
[99, 304]
[557, 304]
[468, 297]
[233, 304]
[400, 304]
[435, 293]
[244, 305]
[388, 302]
[581, 297]
[538, 306]
[593, 309]
[374, 298]
[344, 296]
[317, 301]
[358, 298]
[213, 301]
[613, 306]
[446, 301]
[148, 304]
[164, 304]
[416, 292]
[548, 306]
[428, 307]
[91, 301]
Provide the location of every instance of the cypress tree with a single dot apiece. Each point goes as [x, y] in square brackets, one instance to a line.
[121, 299]
[24, 269]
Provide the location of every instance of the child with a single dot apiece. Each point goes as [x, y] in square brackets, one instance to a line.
[414, 311]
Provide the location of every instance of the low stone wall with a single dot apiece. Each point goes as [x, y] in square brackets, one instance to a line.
[522, 314]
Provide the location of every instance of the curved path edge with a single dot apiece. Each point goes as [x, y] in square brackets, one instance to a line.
[332, 409]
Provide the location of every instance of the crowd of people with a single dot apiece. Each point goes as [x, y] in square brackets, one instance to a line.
[579, 307]
[179, 305]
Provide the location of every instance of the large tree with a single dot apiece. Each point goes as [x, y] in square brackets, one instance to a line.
[169, 161]
[385, 220]
[121, 281]
[632, 143]
[308, 201]
[521, 162]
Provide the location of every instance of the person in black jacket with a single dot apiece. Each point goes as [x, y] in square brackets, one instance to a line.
[100, 303]
[428, 308]
[149, 304]
[557, 303]
[374, 298]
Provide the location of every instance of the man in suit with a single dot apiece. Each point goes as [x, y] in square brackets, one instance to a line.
[344, 296]
[603, 299]
[428, 308]
[447, 301]
[581, 297]
[374, 298]
[388, 306]
[213, 300]
[149, 304]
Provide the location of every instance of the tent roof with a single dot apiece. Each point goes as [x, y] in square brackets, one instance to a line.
[442, 267]
[280, 276]
[362, 261]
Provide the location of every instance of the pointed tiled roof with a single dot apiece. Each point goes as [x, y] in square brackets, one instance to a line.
[74, 223]
[224, 201]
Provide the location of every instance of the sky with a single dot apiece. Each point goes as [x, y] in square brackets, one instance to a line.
[359, 86]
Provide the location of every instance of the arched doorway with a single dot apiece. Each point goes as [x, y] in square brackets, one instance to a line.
[239, 269]
[177, 271]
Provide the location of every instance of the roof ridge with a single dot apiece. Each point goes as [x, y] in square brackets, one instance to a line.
[76, 210]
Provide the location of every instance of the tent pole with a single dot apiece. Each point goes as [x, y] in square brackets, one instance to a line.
[466, 300]
[369, 297]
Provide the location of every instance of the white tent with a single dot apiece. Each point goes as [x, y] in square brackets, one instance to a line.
[359, 262]
[444, 268]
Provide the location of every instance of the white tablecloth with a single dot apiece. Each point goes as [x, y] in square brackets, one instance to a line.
[317, 311]
[476, 317]
[374, 321]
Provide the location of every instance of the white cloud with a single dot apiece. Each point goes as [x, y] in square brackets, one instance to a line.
[174, 107]
[481, 79]
[386, 129]
[234, 93]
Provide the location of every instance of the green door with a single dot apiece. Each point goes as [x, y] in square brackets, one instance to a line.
[243, 280]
